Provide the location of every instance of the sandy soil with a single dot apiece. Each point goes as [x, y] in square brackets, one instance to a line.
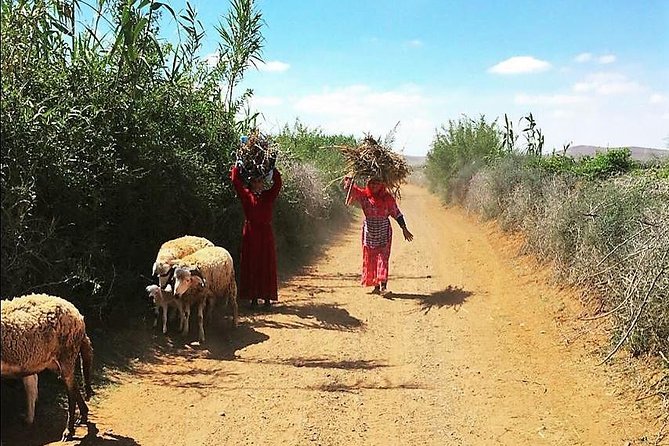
[473, 347]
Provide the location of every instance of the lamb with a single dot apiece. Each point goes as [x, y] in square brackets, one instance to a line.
[164, 299]
[42, 332]
[203, 278]
[169, 251]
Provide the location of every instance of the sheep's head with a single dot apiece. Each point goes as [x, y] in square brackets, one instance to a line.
[166, 279]
[185, 279]
[154, 292]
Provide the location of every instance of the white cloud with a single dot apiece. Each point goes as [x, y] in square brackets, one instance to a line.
[607, 84]
[212, 58]
[657, 98]
[360, 100]
[583, 57]
[563, 114]
[266, 101]
[554, 99]
[665, 116]
[415, 43]
[360, 109]
[606, 59]
[520, 64]
[273, 66]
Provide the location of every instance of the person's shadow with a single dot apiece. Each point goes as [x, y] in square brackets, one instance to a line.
[453, 297]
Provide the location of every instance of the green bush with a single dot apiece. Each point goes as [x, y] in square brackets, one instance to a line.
[108, 151]
[456, 148]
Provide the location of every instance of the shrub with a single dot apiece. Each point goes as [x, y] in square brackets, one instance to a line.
[463, 143]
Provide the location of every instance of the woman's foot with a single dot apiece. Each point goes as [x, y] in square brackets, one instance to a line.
[268, 303]
[376, 290]
[254, 302]
[383, 290]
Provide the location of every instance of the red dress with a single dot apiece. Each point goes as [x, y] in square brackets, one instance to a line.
[257, 278]
[377, 234]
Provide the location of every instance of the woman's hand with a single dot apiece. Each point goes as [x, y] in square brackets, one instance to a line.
[408, 236]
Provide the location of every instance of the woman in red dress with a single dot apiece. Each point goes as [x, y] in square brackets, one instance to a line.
[257, 279]
[377, 204]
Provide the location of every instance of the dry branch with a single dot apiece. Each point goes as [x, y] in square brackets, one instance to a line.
[370, 159]
[257, 155]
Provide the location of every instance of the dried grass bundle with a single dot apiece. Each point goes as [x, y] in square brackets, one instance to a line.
[256, 155]
[369, 159]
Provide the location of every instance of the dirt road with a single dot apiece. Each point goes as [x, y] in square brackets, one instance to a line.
[472, 347]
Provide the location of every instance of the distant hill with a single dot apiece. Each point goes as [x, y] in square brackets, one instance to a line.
[638, 153]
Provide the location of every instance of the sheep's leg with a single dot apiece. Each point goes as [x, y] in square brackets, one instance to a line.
[232, 299]
[30, 386]
[164, 306]
[200, 319]
[210, 308]
[74, 399]
[156, 310]
[186, 320]
[180, 314]
[86, 353]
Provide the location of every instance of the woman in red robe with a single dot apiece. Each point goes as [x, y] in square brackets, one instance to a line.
[258, 278]
[377, 204]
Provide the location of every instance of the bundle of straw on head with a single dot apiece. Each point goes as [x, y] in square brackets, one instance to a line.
[256, 155]
[369, 159]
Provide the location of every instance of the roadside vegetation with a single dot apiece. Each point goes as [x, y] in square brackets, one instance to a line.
[115, 140]
[601, 221]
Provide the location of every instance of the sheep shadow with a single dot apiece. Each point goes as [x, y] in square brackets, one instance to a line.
[94, 438]
[314, 316]
[453, 297]
[48, 429]
[223, 341]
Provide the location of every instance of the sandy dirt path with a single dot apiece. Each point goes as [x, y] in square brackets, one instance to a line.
[471, 348]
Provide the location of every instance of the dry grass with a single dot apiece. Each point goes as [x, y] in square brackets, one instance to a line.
[257, 156]
[370, 159]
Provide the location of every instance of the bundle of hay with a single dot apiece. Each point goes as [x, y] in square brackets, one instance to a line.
[369, 159]
[256, 155]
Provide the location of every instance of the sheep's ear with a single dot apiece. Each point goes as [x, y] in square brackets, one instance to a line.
[154, 271]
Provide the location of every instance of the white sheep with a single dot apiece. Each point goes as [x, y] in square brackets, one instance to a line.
[164, 300]
[203, 278]
[42, 332]
[176, 249]
[168, 252]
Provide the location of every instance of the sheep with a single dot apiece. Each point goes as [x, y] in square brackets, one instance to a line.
[176, 249]
[42, 332]
[164, 299]
[203, 278]
[169, 251]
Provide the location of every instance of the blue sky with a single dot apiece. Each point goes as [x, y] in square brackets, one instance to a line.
[591, 72]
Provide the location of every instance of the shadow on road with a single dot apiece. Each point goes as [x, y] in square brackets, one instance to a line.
[452, 297]
[360, 385]
[48, 429]
[325, 363]
[320, 316]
